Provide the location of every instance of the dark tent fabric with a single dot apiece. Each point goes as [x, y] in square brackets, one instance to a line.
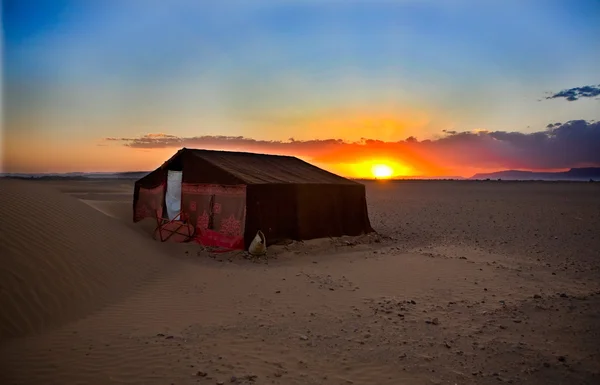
[229, 196]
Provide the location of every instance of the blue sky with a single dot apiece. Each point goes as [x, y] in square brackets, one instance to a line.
[80, 71]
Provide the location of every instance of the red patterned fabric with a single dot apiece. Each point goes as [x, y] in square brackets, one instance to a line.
[216, 239]
[149, 203]
[218, 212]
[231, 226]
[213, 189]
[203, 221]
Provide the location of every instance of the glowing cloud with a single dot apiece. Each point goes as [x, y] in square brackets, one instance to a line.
[572, 144]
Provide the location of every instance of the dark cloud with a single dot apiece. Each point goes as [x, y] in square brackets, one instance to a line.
[573, 94]
[450, 132]
[571, 144]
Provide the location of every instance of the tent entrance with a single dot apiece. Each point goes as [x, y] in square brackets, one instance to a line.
[163, 203]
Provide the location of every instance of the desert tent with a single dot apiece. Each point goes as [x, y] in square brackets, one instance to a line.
[228, 196]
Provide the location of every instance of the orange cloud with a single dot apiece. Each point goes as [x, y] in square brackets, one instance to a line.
[572, 144]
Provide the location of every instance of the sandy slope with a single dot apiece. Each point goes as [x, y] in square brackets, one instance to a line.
[470, 284]
[61, 259]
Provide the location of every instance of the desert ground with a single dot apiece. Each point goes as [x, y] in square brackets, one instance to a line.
[463, 283]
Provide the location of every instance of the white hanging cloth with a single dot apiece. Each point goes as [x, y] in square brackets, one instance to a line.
[173, 194]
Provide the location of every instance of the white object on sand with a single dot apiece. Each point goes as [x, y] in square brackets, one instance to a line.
[258, 245]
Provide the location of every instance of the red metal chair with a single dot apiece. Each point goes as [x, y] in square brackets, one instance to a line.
[177, 230]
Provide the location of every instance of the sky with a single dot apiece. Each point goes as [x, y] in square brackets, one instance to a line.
[428, 88]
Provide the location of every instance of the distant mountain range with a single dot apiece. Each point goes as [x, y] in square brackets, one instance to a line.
[574, 174]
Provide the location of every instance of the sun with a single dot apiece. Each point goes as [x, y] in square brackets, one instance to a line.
[382, 171]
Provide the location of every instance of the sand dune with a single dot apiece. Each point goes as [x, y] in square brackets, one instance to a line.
[61, 259]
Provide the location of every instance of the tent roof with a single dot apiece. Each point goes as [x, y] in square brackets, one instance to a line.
[255, 168]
